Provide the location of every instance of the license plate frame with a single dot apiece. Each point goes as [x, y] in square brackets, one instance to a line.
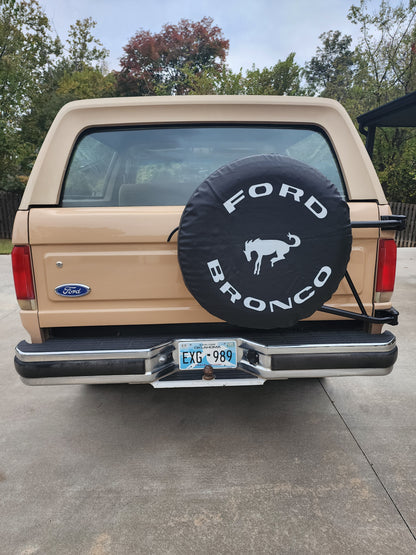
[220, 354]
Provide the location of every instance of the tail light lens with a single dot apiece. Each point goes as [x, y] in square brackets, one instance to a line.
[22, 273]
[386, 271]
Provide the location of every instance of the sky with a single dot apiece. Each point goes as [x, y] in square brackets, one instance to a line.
[260, 31]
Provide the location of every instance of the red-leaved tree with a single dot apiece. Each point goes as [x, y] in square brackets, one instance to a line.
[161, 63]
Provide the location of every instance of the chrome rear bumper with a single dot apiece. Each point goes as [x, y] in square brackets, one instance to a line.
[280, 355]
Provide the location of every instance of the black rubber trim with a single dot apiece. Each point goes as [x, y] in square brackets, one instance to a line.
[72, 368]
[334, 361]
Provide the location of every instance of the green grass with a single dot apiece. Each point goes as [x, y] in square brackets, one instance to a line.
[5, 246]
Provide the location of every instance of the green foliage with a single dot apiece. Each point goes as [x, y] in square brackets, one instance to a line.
[281, 79]
[395, 160]
[37, 77]
[87, 83]
[386, 51]
[84, 50]
[331, 71]
[210, 81]
[5, 246]
[26, 49]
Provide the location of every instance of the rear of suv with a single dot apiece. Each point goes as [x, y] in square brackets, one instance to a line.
[199, 241]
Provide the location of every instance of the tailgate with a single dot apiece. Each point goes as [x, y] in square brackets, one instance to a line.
[122, 255]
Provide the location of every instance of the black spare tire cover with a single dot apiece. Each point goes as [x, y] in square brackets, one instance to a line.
[264, 241]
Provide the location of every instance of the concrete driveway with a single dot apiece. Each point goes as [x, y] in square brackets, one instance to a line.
[299, 466]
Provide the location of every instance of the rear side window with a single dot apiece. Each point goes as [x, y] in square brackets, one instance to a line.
[89, 169]
[162, 166]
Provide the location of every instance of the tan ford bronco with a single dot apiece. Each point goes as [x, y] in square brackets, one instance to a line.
[200, 241]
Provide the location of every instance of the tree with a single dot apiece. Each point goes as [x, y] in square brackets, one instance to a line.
[84, 50]
[282, 79]
[330, 72]
[26, 49]
[386, 50]
[386, 69]
[56, 77]
[395, 161]
[161, 62]
[88, 83]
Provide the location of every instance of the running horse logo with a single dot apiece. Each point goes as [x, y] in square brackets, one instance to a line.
[268, 247]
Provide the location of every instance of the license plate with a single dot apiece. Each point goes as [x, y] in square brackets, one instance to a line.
[195, 355]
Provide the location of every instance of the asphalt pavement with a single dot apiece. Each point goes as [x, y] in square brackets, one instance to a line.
[297, 466]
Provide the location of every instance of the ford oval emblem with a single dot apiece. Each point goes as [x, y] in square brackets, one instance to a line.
[72, 290]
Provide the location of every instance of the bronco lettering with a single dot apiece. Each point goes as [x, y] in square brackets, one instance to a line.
[259, 305]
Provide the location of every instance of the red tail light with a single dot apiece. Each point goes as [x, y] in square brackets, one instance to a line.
[386, 271]
[22, 273]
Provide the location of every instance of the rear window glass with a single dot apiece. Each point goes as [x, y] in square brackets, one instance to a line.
[164, 165]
